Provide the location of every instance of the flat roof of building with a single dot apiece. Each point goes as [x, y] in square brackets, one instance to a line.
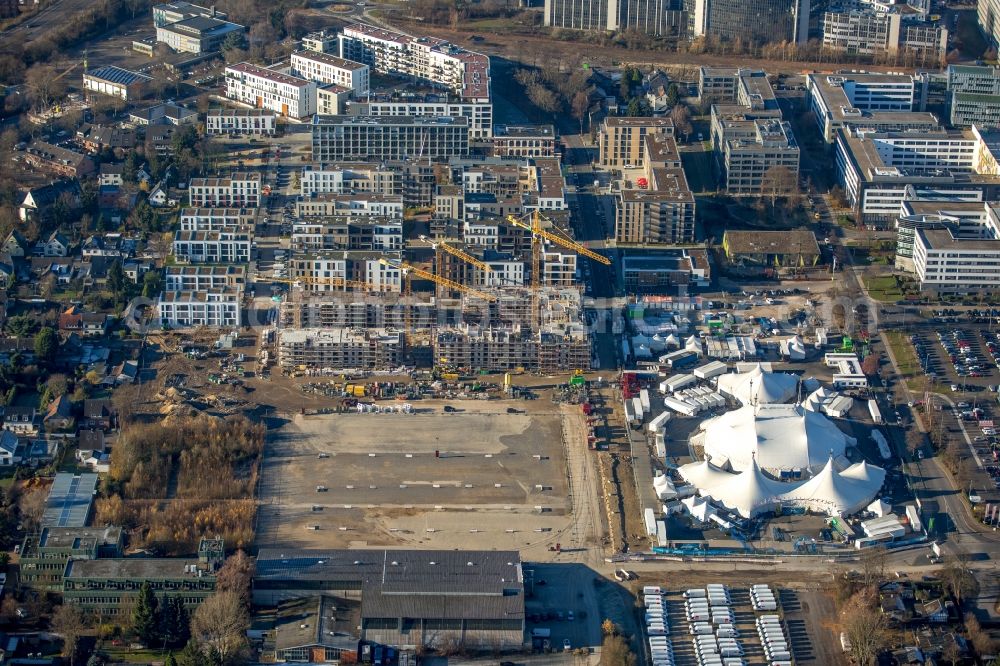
[524, 131]
[940, 239]
[69, 501]
[771, 242]
[132, 568]
[117, 75]
[317, 620]
[382, 121]
[78, 538]
[329, 59]
[268, 74]
[628, 121]
[241, 113]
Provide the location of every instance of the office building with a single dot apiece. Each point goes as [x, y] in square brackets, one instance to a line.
[621, 139]
[109, 587]
[436, 61]
[326, 68]
[44, 554]
[974, 95]
[600, 15]
[879, 171]
[216, 308]
[363, 138]
[865, 101]
[988, 14]
[872, 32]
[172, 12]
[264, 88]
[199, 34]
[116, 82]
[957, 256]
[749, 21]
[254, 122]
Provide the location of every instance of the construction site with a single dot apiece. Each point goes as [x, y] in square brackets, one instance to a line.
[330, 325]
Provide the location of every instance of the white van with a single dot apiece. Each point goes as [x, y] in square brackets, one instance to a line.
[695, 594]
[651, 589]
[727, 633]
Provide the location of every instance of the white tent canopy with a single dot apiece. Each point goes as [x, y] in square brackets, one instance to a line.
[748, 493]
[699, 508]
[758, 386]
[664, 488]
[835, 493]
[880, 507]
[793, 348]
[782, 438]
[703, 475]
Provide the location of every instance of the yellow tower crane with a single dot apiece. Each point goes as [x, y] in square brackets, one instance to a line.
[537, 236]
[340, 282]
[409, 269]
[442, 247]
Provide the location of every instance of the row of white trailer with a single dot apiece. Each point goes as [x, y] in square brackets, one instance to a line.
[661, 649]
[763, 598]
[773, 640]
[712, 625]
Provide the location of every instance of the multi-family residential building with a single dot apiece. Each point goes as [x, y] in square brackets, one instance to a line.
[327, 271]
[523, 141]
[975, 95]
[216, 219]
[465, 73]
[865, 101]
[412, 180]
[58, 160]
[321, 41]
[240, 121]
[340, 349]
[654, 205]
[879, 171]
[204, 278]
[189, 28]
[364, 138]
[331, 205]
[331, 99]
[240, 190]
[620, 139]
[478, 113]
[988, 13]
[116, 82]
[869, 31]
[327, 68]
[186, 309]
[348, 233]
[212, 247]
[264, 88]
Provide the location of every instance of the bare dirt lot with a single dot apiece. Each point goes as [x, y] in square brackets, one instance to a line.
[472, 479]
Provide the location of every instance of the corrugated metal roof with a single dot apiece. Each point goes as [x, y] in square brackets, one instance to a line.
[70, 497]
[117, 75]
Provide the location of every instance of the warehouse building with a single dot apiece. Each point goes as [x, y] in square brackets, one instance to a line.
[409, 599]
[116, 82]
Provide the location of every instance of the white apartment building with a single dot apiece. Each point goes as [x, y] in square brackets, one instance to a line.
[558, 268]
[218, 308]
[862, 101]
[204, 278]
[465, 73]
[263, 88]
[504, 272]
[879, 171]
[240, 121]
[360, 233]
[216, 219]
[479, 114]
[330, 205]
[321, 271]
[321, 41]
[953, 260]
[327, 68]
[241, 190]
[212, 247]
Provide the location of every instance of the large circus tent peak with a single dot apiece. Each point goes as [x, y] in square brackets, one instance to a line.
[837, 493]
[783, 439]
[758, 386]
[748, 493]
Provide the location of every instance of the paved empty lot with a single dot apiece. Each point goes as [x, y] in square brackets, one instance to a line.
[480, 478]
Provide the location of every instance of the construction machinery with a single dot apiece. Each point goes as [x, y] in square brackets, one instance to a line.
[537, 236]
[410, 270]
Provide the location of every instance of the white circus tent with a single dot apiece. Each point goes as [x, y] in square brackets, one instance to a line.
[759, 387]
[703, 475]
[749, 493]
[835, 493]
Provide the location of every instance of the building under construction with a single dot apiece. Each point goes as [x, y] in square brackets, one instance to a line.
[312, 349]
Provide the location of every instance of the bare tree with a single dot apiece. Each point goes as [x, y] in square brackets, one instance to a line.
[958, 578]
[43, 86]
[219, 626]
[865, 627]
[980, 639]
[68, 622]
[581, 104]
[32, 506]
[778, 181]
[872, 566]
[681, 116]
[235, 576]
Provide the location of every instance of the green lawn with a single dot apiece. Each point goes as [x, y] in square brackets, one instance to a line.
[906, 358]
[122, 654]
[883, 288]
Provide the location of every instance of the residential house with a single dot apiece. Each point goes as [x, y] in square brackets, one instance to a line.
[38, 202]
[111, 175]
[16, 245]
[92, 451]
[21, 420]
[42, 450]
[58, 160]
[135, 270]
[59, 414]
[95, 138]
[159, 196]
[98, 414]
[22, 347]
[167, 113]
[159, 139]
[8, 449]
[123, 373]
[56, 246]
